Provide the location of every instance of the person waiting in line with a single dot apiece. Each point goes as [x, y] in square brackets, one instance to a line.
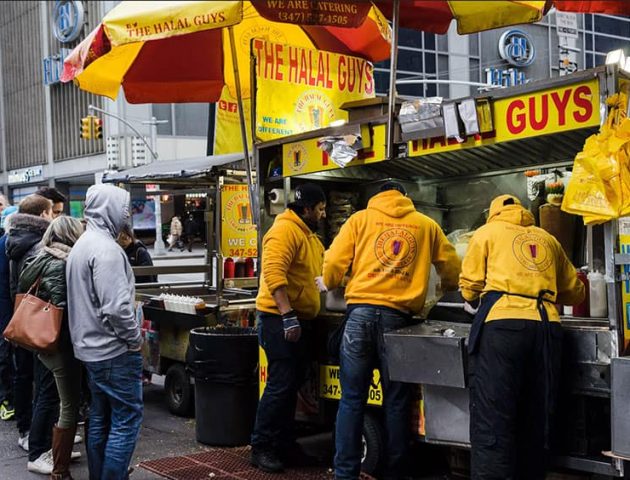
[105, 333]
[57, 198]
[389, 248]
[7, 411]
[35, 408]
[4, 204]
[137, 253]
[513, 275]
[288, 298]
[49, 267]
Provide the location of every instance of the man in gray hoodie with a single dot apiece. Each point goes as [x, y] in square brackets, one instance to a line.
[105, 333]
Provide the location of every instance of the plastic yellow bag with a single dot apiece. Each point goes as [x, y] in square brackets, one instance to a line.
[599, 188]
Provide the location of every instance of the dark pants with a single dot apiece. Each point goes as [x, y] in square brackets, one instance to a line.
[7, 371]
[507, 399]
[286, 369]
[362, 350]
[115, 415]
[23, 388]
[45, 411]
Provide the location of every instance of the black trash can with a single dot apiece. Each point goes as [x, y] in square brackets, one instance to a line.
[224, 362]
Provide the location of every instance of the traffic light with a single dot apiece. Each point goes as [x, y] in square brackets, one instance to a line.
[86, 127]
[98, 127]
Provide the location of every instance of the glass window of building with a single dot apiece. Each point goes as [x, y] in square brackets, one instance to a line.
[184, 119]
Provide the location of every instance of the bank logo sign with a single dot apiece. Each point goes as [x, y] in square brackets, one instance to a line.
[68, 18]
[517, 48]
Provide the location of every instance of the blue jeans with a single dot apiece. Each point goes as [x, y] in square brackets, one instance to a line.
[362, 350]
[115, 415]
[286, 370]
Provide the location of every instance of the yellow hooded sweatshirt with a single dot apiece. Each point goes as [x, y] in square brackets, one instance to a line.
[510, 254]
[292, 256]
[391, 247]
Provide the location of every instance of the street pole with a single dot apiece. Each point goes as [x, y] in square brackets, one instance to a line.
[158, 246]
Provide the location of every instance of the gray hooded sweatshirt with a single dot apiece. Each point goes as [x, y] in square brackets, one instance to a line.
[101, 293]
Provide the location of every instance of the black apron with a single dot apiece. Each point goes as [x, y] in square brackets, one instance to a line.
[487, 302]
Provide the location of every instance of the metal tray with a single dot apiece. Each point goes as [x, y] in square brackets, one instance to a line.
[423, 354]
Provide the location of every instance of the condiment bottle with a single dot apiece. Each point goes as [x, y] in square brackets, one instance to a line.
[598, 298]
[228, 268]
[582, 309]
[249, 267]
[239, 268]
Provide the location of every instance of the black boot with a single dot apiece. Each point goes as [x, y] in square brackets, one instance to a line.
[267, 461]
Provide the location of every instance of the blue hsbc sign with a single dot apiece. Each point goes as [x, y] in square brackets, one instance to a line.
[517, 48]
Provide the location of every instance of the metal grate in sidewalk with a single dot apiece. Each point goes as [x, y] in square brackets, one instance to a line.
[228, 464]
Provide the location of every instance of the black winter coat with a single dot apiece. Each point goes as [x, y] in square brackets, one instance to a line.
[23, 243]
[139, 257]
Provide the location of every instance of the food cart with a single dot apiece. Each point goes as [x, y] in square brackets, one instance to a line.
[536, 128]
[166, 308]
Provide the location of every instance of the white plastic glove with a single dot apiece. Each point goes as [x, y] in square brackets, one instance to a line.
[468, 308]
[319, 281]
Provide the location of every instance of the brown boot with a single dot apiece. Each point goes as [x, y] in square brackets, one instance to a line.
[62, 442]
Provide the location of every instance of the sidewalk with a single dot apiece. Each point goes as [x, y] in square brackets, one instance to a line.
[162, 435]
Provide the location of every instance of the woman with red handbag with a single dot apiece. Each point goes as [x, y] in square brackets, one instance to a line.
[49, 268]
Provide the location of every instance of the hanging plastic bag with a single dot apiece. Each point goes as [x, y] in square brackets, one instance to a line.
[599, 188]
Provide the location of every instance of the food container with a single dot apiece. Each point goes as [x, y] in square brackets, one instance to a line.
[598, 298]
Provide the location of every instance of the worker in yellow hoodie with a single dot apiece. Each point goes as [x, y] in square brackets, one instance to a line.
[518, 272]
[389, 248]
[288, 298]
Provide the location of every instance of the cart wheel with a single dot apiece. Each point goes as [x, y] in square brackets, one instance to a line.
[179, 391]
[373, 444]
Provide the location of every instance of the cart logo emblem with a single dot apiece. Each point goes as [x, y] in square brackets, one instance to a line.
[532, 251]
[297, 157]
[314, 109]
[517, 48]
[396, 248]
[68, 19]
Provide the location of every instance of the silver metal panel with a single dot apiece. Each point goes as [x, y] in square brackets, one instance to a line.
[447, 416]
[589, 352]
[423, 354]
[172, 169]
[612, 467]
[620, 406]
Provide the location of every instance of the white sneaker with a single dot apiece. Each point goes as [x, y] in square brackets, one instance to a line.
[43, 465]
[75, 455]
[78, 439]
[23, 442]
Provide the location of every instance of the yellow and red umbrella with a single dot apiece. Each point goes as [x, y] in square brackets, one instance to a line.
[179, 51]
[475, 16]
[187, 51]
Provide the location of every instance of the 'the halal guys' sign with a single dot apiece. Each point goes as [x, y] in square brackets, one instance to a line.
[300, 89]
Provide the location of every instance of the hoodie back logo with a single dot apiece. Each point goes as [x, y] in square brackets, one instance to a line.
[532, 251]
[396, 248]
